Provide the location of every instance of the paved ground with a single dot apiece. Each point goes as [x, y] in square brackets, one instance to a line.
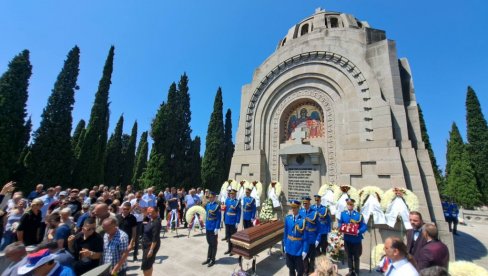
[180, 255]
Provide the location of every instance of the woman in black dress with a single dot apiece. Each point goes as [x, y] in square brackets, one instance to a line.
[150, 240]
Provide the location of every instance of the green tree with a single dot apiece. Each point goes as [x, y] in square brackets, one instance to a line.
[90, 164]
[228, 144]
[14, 130]
[460, 176]
[141, 160]
[153, 175]
[195, 163]
[213, 174]
[128, 157]
[425, 137]
[477, 146]
[182, 141]
[113, 159]
[77, 134]
[51, 150]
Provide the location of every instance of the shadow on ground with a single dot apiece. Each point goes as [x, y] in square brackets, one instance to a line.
[468, 248]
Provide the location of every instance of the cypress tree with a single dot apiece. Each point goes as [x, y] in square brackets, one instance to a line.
[153, 175]
[90, 164]
[114, 155]
[228, 144]
[128, 157]
[425, 137]
[141, 160]
[477, 130]
[213, 174]
[183, 141]
[52, 151]
[14, 130]
[460, 176]
[195, 163]
[77, 134]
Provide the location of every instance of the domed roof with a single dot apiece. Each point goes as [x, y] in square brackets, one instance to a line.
[323, 20]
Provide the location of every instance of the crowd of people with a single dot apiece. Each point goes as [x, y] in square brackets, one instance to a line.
[58, 231]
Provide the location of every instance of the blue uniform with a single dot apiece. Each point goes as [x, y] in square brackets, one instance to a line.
[213, 216]
[249, 208]
[352, 244]
[295, 243]
[312, 224]
[445, 209]
[453, 211]
[232, 213]
[324, 218]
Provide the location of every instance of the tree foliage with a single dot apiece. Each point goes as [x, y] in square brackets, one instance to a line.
[128, 156]
[141, 160]
[425, 137]
[90, 164]
[228, 144]
[14, 129]
[213, 174]
[51, 150]
[477, 145]
[114, 159]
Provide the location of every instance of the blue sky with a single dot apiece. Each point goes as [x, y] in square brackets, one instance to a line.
[220, 43]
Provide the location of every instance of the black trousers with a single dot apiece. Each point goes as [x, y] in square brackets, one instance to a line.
[353, 251]
[212, 245]
[230, 229]
[309, 262]
[322, 248]
[294, 264]
[247, 224]
[139, 229]
[453, 222]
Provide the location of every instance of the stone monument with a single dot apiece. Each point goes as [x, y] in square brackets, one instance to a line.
[334, 104]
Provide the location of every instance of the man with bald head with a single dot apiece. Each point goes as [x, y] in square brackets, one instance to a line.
[115, 247]
[100, 213]
[434, 252]
[15, 252]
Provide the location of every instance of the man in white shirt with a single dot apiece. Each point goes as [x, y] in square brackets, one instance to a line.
[139, 207]
[400, 265]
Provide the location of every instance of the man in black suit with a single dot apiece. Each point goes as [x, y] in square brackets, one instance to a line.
[415, 237]
[434, 252]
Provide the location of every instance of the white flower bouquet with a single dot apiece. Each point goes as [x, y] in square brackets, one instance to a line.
[335, 246]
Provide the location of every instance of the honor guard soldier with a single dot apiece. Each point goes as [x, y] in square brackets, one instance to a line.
[453, 215]
[249, 209]
[295, 243]
[352, 241]
[312, 229]
[212, 228]
[232, 215]
[324, 224]
[445, 210]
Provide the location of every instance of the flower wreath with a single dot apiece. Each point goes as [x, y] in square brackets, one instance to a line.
[197, 209]
[368, 191]
[346, 189]
[411, 200]
[243, 183]
[466, 268]
[327, 186]
[377, 253]
[277, 187]
[226, 184]
[258, 186]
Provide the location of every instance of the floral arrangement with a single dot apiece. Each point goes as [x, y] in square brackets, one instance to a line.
[225, 186]
[463, 268]
[277, 187]
[243, 183]
[266, 213]
[192, 212]
[327, 186]
[335, 246]
[258, 186]
[346, 189]
[377, 253]
[411, 200]
[367, 191]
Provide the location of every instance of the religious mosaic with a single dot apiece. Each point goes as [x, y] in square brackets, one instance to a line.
[306, 118]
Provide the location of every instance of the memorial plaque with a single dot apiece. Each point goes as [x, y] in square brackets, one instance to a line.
[300, 182]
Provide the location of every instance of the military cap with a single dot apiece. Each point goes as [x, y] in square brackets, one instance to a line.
[295, 203]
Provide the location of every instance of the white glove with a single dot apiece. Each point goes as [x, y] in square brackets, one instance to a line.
[284, 249]
[304, 255]
[237, 225]
[216, 231]
[316, 243]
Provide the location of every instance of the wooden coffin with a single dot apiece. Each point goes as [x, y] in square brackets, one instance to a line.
[249, 242]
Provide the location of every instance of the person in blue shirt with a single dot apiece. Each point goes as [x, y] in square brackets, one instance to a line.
[295, 243]
[323, 214]
[352, 243]
[232, 216]
[313, 238]
[212, 225]
[453, 215]
[249, 209]
[445, 209]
